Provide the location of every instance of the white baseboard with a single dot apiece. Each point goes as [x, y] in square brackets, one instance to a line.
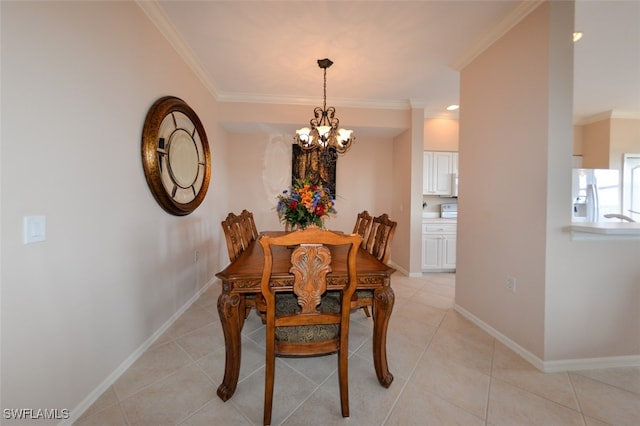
[111, 379]
[551, 366]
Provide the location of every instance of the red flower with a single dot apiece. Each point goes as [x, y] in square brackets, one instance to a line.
[293, 204]
[319, 210]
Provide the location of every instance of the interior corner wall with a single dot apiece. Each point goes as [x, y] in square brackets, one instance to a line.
[416, 156]
[401, 199]
[115, 268]
[605, 141]
[625, 139]
[515, 171]
[591, 285]
[595, 144]
[503, 191]
[577, 140]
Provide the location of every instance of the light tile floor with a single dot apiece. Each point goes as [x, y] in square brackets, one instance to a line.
[447, 372]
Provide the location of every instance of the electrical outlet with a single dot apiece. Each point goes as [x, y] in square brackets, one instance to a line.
[195, 256]
[511, 284]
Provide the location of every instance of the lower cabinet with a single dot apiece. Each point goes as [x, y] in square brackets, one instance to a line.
[438, 246]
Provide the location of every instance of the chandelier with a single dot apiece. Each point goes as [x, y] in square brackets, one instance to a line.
[324, 133]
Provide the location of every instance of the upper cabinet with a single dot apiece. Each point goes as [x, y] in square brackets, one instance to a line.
[440, 171]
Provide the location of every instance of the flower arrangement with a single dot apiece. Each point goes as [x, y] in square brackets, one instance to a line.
[305, 204]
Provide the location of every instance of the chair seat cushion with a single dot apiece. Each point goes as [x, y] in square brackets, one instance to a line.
[364, 294]
[287, 303]
[361, 294]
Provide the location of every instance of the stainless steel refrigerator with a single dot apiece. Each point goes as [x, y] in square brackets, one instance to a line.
[595, 193]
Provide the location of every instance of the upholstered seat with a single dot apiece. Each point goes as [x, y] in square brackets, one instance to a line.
[287, 303]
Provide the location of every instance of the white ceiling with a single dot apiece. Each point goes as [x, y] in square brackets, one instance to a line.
[387, 53]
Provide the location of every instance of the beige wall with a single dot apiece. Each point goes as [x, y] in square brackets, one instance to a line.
[596, 145]
[503, 183]
[262, 169]
[564, 287]
[604, 142]
[577, 140]
[441, 134]
[625, 139]
[77, 81]
[116, 269]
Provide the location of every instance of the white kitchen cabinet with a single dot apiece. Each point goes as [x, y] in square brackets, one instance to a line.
[438, 246]
[439, 168]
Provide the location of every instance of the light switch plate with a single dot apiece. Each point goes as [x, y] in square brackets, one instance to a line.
[34, 229]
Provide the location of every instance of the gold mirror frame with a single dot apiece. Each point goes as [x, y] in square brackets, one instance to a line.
[169, 120]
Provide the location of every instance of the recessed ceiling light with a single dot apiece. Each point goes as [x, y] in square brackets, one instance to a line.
[577, 36]
[453, 107]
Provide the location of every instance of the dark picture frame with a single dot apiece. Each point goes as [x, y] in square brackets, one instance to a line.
[317, 166]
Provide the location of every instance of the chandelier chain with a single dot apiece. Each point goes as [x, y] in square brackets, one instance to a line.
[325, 91]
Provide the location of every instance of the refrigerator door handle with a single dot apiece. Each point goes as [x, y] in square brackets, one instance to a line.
[592, 203]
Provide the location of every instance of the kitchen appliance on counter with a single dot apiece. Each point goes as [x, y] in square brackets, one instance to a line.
[595, 194]
[449, 210]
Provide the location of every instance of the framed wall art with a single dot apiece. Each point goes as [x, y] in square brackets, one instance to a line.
[319, 166]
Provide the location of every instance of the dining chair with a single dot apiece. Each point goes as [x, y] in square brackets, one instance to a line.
[379, 245]
[381, 236]
[362, 226]
[233, 236]
[306, 321]
[248, 226]
[237, 239]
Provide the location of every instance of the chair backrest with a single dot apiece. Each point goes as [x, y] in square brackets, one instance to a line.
[305, 322]
[382, 230]
[310, 264]
[233, 235]
[362, 226]
[248, 226]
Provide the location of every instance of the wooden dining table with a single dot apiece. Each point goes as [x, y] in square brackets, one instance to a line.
[242, 278]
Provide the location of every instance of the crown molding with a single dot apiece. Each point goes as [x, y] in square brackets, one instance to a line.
[634, 115]
[160, 19]
[306, 101]
[446, 115]
[501, 28]
[417, 103]
[608, 115]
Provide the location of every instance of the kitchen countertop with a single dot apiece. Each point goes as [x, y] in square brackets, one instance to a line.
[604, 230]
[435, 216]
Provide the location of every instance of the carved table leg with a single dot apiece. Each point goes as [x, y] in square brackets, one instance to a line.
[383, 299]
[231, 317]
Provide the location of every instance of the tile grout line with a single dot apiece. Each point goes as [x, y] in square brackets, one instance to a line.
[487, 405]
[411, 373]
[575, 395]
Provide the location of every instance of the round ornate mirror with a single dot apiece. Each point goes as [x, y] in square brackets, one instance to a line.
[175, 156]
